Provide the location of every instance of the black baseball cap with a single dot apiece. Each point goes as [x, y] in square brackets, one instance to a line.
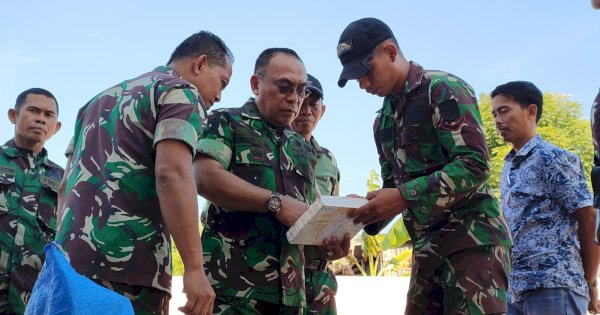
[314, 85]
[356, 46]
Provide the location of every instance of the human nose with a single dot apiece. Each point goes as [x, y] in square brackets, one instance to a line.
[497, 120]
[40, 118]
[292, 97]
[363, 82]
[304, 110]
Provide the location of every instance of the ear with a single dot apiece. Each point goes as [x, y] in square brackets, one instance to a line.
[532, 111]
[324, 108]
[254, 84]
[199, 63]
[12, 116]
[391, 50]
[57, 128]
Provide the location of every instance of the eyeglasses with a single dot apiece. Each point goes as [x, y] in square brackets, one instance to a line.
[287, 88]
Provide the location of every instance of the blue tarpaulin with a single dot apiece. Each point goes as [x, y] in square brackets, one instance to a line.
[60, 290]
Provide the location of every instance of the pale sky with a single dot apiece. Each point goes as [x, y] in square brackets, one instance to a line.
[77, 49]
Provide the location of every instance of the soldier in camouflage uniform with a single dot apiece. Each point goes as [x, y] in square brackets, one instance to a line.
[435, 164]
[130, 183]
[28, 186]
[258, 175]
[320, 284]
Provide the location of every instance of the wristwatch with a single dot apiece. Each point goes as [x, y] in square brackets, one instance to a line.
[593, 284]
[274, 202]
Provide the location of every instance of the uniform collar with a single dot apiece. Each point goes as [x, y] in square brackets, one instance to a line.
[413, 81]
[250, 110]
[168, 70]
[414, 77]
[316, 145]
[11, 149]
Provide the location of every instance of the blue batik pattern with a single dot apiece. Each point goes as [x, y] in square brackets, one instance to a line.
[541, 187]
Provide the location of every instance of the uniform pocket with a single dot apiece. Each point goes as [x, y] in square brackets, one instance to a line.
[46, 211]
[7, 187]
[253, 160]
[422, 149]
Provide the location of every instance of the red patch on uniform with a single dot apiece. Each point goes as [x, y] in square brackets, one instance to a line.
[452, 125]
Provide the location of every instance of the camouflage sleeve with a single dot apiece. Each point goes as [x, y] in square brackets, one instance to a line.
[386, 168]
[596, 129]
[179, 117]
[216, 141]
[70, 148]
[336, 189]
[458, 127]
[336, 185]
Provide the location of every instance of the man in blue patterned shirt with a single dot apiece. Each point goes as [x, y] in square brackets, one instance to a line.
[548, 207]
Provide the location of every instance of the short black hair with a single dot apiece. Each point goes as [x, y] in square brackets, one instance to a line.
[203, 43]
[39, 91]
[265, 57]
[523, 92]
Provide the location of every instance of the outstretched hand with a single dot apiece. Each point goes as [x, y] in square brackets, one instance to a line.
[384, 204]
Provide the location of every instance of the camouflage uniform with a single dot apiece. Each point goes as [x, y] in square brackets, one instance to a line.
[432, 148]
[112, 227]
[321, 285]
[246, 254]
[28, 193]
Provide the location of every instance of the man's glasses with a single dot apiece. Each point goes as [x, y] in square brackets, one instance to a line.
[287, 88]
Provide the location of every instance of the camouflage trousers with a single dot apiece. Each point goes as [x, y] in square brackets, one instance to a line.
[21, 258]
[230, 305]
[321, 287]
[145, 300]
[470, 281]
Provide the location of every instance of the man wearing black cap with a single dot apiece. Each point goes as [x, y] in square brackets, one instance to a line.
[321, 285]
[434, 164]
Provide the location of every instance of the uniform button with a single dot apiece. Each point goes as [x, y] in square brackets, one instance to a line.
[423, 209]
[413, 192]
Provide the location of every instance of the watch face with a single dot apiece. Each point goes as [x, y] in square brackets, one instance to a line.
[274, 203]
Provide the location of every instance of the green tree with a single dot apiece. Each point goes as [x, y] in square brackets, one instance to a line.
[374, 245]
[561, 124]
[176, 257]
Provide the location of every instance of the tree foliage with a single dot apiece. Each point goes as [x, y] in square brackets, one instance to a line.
[176, 257]
[561, 124]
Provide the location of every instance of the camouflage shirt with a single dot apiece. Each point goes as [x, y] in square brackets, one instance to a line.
[246, 254]
[112, 227]
[327, 173]
[29, 185]
[432, 148]
[28, 193]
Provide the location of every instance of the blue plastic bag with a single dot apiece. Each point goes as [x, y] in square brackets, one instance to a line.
[60, 290]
